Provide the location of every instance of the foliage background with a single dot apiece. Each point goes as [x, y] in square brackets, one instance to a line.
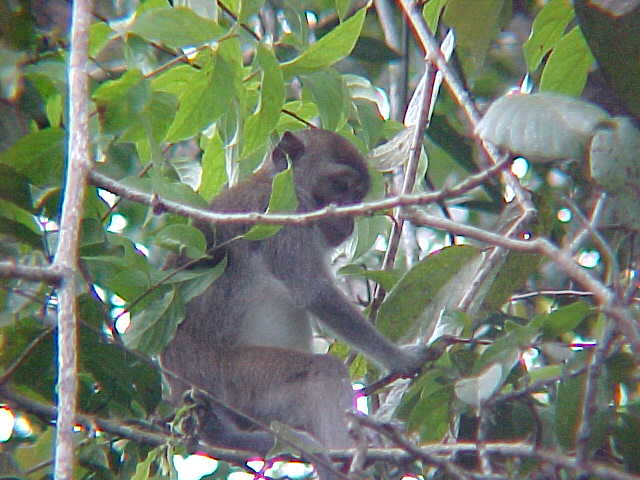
[185, 98]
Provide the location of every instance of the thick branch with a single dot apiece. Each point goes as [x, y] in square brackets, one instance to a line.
[36, 274]
[66, 258]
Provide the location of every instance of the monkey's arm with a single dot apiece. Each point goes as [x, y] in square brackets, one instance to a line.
[341, 317]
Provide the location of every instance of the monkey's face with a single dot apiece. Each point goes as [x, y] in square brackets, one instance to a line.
[338, 184]
[328, 169]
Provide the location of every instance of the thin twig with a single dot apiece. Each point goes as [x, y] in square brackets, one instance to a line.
[207, 216]
[8, 373]
[609, 304]
[589, 407]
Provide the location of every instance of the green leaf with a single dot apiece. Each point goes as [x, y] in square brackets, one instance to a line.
[386, 278]
[37, 452]
[283, 199]
[627, 440]
[123, 377]
[568, 65]
[506, 349]
[148, 127]
[143, 469]
[260, 125]
[122, 104]
[342, 8]
[208, 95]
[181, 238]
[476, 390]
[512, 276]
[214, 175]
[99, 35]
[38, 156]
[547, 29]
[114, 90]
[565, 319]
[176, 80]
[177, 192]
[330, 94]
[176, 27]
[334, 46]
[303, 109]
[154, 326]
[374, 50]
[426, 407]
[15, 187]
[411, 296]
[476, 25]
[200, 281]
[432, 11]
[568, 409]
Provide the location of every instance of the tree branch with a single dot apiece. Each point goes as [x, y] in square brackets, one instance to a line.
[37, 274]
[164, 205]
[66, 258]
[605, 297]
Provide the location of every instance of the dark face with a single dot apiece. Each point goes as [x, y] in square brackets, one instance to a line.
[328, 170]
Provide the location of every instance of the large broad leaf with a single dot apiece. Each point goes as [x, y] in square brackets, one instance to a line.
[568, 410]
[175, 27]
[568, 65]
[177, 192]
[426, 406]
[564, 319]
[546, 31]
[476, 390]
[152, 328]
[611, 28]
[182, 238]
[476, 25]
[329, 92]
[541, 126]
[209, 92]
[416, 290]
[123, 377]
[334, 46]
[38, 156]
[260, 125]
[214, 175]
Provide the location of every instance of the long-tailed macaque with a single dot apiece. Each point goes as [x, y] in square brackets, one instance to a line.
[247, 339]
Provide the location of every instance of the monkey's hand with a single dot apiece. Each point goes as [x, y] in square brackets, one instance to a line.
[417, 356]
[414, 359]
[411, 362]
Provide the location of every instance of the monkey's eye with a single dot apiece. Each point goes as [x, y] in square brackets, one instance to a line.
[339, 185]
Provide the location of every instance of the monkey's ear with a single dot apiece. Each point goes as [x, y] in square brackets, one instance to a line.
[289, 146]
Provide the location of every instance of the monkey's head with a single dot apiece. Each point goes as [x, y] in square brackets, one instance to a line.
[327, 170]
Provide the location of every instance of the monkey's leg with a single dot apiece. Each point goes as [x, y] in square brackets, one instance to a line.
[310, 393]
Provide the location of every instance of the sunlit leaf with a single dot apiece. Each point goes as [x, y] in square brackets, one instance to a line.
[568, 65]
[334, 46]
[176, 27]
[547, 29]
[417, 288]
[476, 390]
